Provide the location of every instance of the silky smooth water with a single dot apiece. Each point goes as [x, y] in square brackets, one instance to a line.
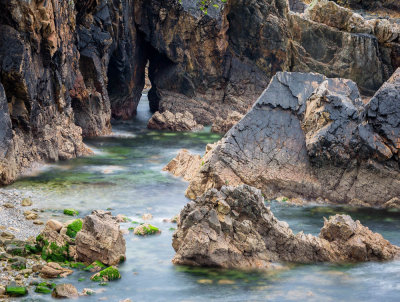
[125, 174]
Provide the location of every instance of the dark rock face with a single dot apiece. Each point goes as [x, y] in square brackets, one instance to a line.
[308, 136]
[232, 228]
[67, 67]
[370, 4]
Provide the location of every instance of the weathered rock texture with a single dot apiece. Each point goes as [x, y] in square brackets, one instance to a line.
[173, 122]
[100, 239]
[311, 136]
[68, 66]
[370, 4]
[233, 228]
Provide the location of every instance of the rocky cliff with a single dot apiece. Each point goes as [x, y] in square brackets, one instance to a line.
[68, 67]
[310, 136]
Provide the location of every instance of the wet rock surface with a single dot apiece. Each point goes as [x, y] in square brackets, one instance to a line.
[100, 239]
[173, 122]
[232, 228]
[307, 136]
[67, 67]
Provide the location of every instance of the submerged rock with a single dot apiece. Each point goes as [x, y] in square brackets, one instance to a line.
[312, 137]
[100, 239]
[173, 122]
[232, 228]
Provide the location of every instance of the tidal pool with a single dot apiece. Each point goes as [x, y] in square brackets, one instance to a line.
[124, 175]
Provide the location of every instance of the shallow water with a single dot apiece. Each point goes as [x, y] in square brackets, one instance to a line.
[125, 174]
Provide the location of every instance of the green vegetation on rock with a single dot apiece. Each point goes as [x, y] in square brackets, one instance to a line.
[16, 290]
[109, 274]
[74, 227]
[45, 288]
[95, 266]
[71, 212]
[53, 252]
[146, 229]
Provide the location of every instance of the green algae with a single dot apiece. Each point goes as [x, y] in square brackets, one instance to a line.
[70, 212]
[74, 227]
[146, 229]
[97, 265]
[109, 274]
[16, 290]
[45, 288]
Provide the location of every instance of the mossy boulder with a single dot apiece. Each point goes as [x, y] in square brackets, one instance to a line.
[109, 274]
[146, 229]
[45, 288]
[96, 266]
[71, 212]
[16, 290]
[74, 227]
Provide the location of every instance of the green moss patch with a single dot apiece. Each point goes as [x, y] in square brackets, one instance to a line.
[53, 252]
[45, 288]
[74, 227]
[109, 274]
[71, 212]
[16, 290]
[95, 267]
[146, 229]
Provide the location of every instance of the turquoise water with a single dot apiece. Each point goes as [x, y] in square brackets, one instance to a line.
[125, 174]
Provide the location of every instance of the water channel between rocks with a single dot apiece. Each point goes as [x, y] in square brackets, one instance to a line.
[125, 174]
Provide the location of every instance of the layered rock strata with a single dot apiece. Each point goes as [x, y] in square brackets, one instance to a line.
[313, 137]
[232, 228]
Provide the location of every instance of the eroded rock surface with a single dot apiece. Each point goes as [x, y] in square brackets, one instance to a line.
[100, 239]
[173, 122]
[232, 228]
[309, 136]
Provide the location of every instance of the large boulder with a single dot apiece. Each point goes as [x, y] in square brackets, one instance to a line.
[173, 122]
[100, 239]
[308, 136]
[232, 228]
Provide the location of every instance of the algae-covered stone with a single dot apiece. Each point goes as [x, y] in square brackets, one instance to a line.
[71, 212]
[16, 290]
[109, 274]
[45, 288]
[95, 267]
[146, 229]
[74, 228]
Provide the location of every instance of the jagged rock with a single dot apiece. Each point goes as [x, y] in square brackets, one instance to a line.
[184, 165]
[54, 270]
[223, 125]
[383, 112]
[307, 137]
[63, 291]
[233, 228]
[173, 122]
[100, 239]
[370, 4]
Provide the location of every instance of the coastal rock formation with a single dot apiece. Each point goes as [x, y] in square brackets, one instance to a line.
[184, 165]
[223, 125]
[173, 122]
[100, 239]
[232, 228]
[310, 136]
[67, 67]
